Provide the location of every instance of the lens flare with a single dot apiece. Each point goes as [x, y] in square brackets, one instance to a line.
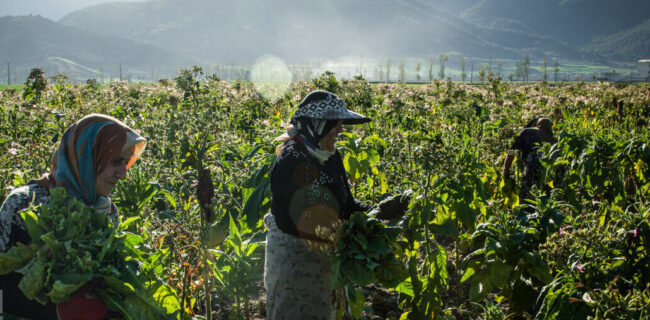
[271, 77]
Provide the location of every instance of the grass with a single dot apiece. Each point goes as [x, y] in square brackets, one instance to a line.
[12, 86]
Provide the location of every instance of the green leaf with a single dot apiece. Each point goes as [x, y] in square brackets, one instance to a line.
[17, 257]
[33, 279]
[537, 267]
[357, 273]
[357, 301]
[373, 157]
[31, 222]
[235, 237]
[480, 287]
[149, 300]
[378, 245]
[447, 228]
[405, 287]
[465, 214]
[254, 203]
[166, 298]
[66, 285]
[469, 272]
[383, 183]
[56, 247]
[125, 224]
[500, 273]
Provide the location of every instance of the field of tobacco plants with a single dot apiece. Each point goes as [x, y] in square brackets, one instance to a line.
[468, 248]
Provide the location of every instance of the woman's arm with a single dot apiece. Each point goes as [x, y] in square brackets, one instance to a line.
[507, 163]
[12, 231]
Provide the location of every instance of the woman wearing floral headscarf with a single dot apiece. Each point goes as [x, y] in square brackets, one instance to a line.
[92, 157]
[310, 194]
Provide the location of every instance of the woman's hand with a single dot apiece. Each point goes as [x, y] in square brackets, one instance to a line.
[393, 207]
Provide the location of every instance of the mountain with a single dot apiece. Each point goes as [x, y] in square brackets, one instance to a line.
[570, 21]
[33, 41]
[613, 29]
[631, 45]
[220, 31]
[149, 36]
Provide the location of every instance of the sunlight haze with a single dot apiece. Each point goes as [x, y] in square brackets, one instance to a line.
[50, 9]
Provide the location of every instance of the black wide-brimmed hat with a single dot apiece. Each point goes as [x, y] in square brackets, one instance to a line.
[324, 105]
[545, 126]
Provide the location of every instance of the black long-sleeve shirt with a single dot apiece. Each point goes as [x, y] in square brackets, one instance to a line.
[301, 185]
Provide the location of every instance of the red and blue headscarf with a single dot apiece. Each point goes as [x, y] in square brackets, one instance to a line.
[86, 148]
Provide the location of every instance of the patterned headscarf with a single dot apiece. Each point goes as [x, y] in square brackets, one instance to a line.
[86, 148]
[317, 114]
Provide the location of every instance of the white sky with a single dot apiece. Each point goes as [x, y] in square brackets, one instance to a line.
[51, 9]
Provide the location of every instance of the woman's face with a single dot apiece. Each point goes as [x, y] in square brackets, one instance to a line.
[327, 142]
[112, 174]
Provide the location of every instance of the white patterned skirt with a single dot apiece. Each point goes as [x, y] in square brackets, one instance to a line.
[296, 278]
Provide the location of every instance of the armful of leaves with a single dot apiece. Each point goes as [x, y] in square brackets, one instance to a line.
[366, 254]
[72, 245]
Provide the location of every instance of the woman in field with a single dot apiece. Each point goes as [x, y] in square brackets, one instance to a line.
[311, 195]
[528, 141]
[93, 155]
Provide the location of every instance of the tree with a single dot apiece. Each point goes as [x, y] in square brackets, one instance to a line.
[431, 61]
[402, 71]
[442, 58]
[462, 61]
[418, 67]
[388, 70]
[544, 63]
[483, 72]
[519, 71]
[35, 85]
[16, 72]
[307, 71]
[526, 63]
[361, 64]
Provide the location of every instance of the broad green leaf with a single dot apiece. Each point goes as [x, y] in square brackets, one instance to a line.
[355, 271]
[17, 257]
[469, 272]
[480, 287]
[33, 279]
[405, 287]
[500, 273]
[235, 237]
[254, 202]
[447, 228]
[356, 300]
[63, 287]
[537, 267]
[31, 222]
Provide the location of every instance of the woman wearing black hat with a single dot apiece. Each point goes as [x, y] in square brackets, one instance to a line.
[311, 195]
[528, 141]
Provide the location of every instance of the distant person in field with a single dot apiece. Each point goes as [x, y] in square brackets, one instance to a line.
[93, 155]
[309, 190]
[528, 141]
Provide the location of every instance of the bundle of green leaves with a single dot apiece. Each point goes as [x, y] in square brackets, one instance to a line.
[72, 245]
[366, 254]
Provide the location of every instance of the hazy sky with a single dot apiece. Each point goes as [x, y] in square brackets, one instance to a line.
[51, 9]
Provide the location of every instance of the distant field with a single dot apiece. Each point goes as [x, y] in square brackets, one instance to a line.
[12, 86]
